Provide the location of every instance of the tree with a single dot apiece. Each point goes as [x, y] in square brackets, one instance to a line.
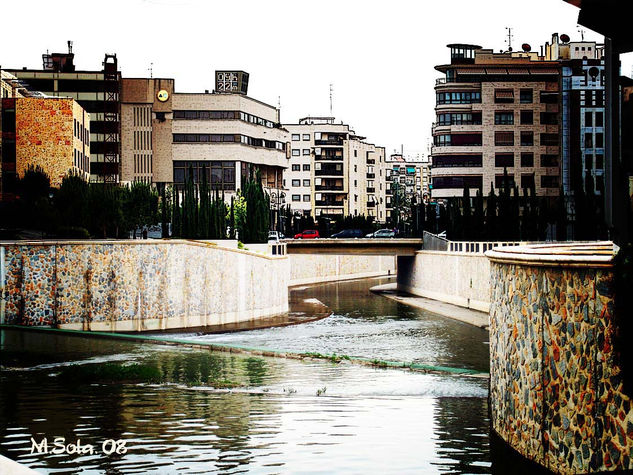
[257, 210]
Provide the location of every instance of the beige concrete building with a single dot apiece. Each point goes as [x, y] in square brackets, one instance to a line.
[333, 171]
[496, 111]
[146, 130]
[165, 133]
[407, 173]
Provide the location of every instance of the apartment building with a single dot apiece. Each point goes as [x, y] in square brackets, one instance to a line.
[333, 171]
[98, 92]
[496, 111]
[47, 132]
[407, 175]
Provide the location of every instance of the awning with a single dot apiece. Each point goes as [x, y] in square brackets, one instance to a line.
[544, 71]
[517, 71]
[471, 71]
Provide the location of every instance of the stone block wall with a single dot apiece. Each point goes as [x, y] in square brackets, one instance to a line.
[458, 278]
[139, 285]
[555, 385]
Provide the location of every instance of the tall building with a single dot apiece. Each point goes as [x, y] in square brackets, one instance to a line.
[405, 176]
[333, 171]
[98, 92]
[46, 132]
[496, 111]
[583, 112]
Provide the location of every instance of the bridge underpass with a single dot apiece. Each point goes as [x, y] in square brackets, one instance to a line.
[357, 246]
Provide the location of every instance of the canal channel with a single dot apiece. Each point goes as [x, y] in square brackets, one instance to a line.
[182, 410]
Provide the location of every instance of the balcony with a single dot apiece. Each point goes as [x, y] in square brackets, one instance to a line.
[337, 142]
[371, 161]
[328, 172]
[328, 187]
[371, 190]
[337, 203]
[371, 204]
[328, 157]
[371, 175]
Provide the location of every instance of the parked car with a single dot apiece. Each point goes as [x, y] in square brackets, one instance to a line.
[275, 236]
[382, 233]
[308, 234]
[349, 233]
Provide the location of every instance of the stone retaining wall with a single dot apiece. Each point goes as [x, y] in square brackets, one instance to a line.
[555, 386]
[138, 285]
[457, 278]
[315, 268]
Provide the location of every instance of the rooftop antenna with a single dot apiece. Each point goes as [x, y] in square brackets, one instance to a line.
[510, 36]
[331, 92]
[70, 47]
[582, 34]
[151, 70]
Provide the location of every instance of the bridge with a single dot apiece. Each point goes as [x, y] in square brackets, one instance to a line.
[358, 246]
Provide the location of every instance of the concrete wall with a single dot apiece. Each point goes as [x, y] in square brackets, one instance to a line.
[315, 268]
[456, 278]
[556, 390]
[138, 285]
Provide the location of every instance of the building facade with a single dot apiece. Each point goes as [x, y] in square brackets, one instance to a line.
[46, 132]
[334, 172]
[496, 112]
[98, 92]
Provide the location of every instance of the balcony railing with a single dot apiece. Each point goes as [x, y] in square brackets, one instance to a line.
[327, 172]
[371, 161]
[329, 203]
[328, 157]
[328, 187]
[329, 142]
[371, 190]
[371, 204]
[371, 175]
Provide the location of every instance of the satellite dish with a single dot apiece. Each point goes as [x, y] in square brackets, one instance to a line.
[564, 38]
[526, 47]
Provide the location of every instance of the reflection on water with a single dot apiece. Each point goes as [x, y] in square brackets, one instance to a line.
[195, 411]
[371, 326]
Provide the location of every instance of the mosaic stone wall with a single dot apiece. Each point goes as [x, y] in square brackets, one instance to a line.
[555, 388]
[141, 285]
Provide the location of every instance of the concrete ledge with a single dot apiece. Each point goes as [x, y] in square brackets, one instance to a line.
[570, 254]
[336, 278]
[473, 317]
[9, 467]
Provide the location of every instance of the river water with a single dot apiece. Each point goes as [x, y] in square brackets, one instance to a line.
[180, 410]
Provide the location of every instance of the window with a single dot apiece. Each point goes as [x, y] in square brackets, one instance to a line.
[526, 96]
[599, 161]
[306, 151]
[549, 118]
[527, 159]
[549, 139]
[504, 160]
[527, 138]
[220, 175]
[306, 198]
[502, 181]
[549, 181]
[599, 99]
[527, 181]
[306, 182]
[588, 162]
[296, 182]
[548, 160]
[504, 118]
[295, 137]
[504, 96]
[527, 117]
[306, 168]
[504, 138]
[549, 97]
[295, 168]
[599, 119]
[450, 161]
[589, 140]
[317, 136]
[458, 98]
[306, 137]
[296, 197]
[588, 119]
[599, 140]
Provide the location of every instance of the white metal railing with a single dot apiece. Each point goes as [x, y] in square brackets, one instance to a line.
[478, 247]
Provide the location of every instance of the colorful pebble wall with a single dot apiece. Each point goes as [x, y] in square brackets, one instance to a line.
[556, 391]
[138, 285]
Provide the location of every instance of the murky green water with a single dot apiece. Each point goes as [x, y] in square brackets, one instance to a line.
[194, 411]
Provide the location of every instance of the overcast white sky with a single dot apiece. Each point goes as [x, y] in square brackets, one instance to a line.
[379, 55]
